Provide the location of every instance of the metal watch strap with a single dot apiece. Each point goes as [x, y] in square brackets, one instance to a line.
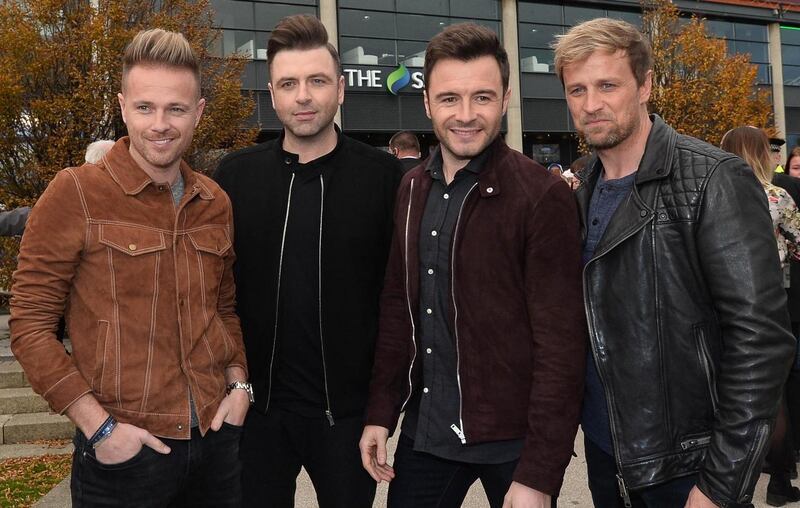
[242, 385]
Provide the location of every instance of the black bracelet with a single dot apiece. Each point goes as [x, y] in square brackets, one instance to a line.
[103, 432]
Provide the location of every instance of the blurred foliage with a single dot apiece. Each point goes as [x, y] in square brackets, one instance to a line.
[60, 72]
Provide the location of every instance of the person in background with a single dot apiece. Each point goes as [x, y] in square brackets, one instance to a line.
[405, 146]
[753, 146]
[775, 145]
[555, 169]
[793, 162]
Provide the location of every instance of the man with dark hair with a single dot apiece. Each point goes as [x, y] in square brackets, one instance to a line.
[313, 220]
[682, 284]
[405, 146]
[482, 337]
[135, 251]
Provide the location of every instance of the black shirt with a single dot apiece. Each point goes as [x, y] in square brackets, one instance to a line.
[433, 415]
[298, 384]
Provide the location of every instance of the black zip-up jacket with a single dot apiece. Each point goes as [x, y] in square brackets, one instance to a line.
[687, 319]
[358, 203]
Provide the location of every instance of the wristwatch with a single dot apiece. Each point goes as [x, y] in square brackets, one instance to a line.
[242, 385]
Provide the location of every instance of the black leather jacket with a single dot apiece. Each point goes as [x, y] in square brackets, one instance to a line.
[687, 319]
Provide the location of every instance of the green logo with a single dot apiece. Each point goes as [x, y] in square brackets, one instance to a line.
[398, 79]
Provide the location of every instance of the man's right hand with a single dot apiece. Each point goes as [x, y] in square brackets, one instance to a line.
[373, 453]
[125, 441]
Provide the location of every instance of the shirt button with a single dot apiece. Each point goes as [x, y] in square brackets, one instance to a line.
[425, 390]
[490, 189]
[429, 311]
[180, 427]
[429, 350]
[434, 233]
[595, 221]
[446, 196]
[162, 188]
[288, 160]
[430, 271]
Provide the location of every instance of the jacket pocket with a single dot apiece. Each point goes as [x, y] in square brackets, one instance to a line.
[211, 245]
[132, 240]
[100, 356]
[707, 364]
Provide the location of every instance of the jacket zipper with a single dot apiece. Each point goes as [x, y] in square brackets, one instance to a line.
[408, 300]
[695, 442]
[328, 412]
[461, 433]
[278, 291]
[708, 369]
[623, 488]
[762, 438]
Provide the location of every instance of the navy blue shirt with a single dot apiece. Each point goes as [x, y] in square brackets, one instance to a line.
[606, 198]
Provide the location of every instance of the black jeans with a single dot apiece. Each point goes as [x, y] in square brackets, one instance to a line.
[203, 471]
[426, 481]
[602, 471]
[277, 444]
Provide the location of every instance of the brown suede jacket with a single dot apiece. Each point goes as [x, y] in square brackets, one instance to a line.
[146, 288]
[516, 313]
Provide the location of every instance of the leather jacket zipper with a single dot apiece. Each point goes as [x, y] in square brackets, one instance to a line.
[462, 435]
[708, 368]
[695, 442]
[278, 290]
[762, 438]
[623, 488]
[408, 299]
[328, 412]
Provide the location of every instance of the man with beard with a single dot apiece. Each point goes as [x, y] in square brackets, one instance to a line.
[313, 219]
[689, 335]
[482, 337]
[134, 250]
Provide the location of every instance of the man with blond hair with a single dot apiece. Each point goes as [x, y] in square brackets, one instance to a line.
[135, 251]
[689, 335]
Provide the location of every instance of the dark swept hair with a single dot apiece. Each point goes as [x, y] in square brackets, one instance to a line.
[300, 31]
[404, 140]
[465, 42]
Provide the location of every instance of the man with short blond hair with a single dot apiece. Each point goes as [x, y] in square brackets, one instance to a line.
[135, 251]
[689, 335]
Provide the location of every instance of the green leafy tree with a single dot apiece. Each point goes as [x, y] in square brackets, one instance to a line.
[60, 70]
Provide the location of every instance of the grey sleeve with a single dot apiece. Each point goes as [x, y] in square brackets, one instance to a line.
[12, 223]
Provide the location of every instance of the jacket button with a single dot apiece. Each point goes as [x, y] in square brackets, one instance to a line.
[660, 171]
[132, 246]
[662, 216]
[489, 190]
[288, 160]
[643, 213]
[180, 427]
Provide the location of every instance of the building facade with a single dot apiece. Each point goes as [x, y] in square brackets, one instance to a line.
[382, 46]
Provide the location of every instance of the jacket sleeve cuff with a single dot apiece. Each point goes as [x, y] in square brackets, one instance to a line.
[532, 475]
[719, 499]
[66, 391]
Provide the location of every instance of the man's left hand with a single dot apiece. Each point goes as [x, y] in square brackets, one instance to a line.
[698, 500]
[232, 409]
[521, 496]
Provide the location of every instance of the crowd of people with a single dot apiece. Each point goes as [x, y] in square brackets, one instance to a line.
[229, 331]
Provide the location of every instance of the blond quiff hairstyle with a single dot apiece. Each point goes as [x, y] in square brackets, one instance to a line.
[607, 35]
[160, 48]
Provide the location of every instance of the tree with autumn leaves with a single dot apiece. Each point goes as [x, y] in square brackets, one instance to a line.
[60, 70]
[698, 88]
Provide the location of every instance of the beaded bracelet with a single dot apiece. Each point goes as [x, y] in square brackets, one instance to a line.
[103, 432]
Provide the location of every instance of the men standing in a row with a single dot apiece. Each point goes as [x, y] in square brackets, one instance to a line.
[687, 317]
[405, 146]
[482, 336]
[135, 251]
[313, 221]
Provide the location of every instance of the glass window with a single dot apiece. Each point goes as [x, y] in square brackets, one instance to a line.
[440, 7]
[421, 28]
[576, 15]
[634, 18]
[378, 5]
[268, 15]
[721, 29]
[359, 51]
[366, 24]
[411, 54]
[758, 51]
[791, 55]
[536, 60]
[748, 32]
[295, 2]
[233, 13]
[487, 9]
[538, 36]
[791, 75]
[261, 45]
[764, 75]
[238, 41]
[540, 13]
[790, 35]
